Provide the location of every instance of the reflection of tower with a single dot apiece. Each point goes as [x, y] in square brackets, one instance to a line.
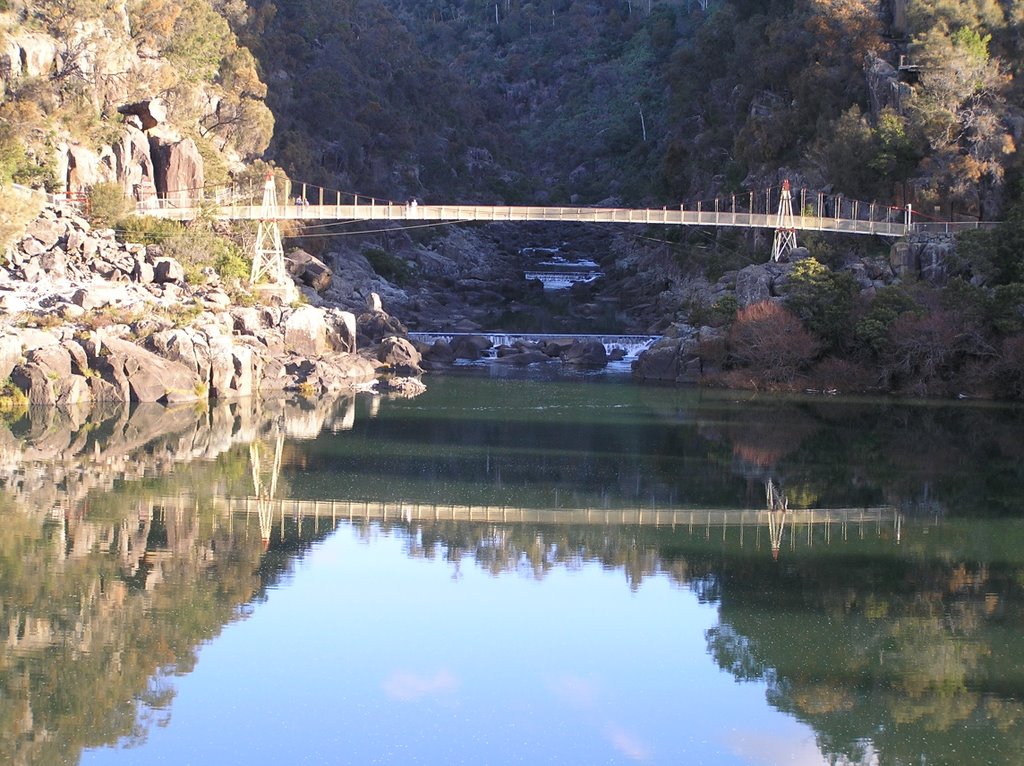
[265, 491]
[778, 506]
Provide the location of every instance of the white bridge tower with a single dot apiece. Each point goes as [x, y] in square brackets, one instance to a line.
[268, 259]
[785, 227]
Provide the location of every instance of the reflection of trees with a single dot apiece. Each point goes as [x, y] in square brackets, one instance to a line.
[106, 593]
[967, 460]
[903, 654]
[88, 626]
[911, 656]
[535, 550]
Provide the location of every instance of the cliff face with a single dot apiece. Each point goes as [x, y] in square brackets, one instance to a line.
[144, 94]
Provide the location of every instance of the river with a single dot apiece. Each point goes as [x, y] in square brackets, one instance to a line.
[517, 566]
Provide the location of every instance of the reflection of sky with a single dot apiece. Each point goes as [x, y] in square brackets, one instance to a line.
[368, 656]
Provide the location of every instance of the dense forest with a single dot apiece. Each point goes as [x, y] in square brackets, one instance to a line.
[650, 102]
[588, 101]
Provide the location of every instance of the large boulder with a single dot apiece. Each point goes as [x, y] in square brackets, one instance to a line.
[85, 168]
[471, 347]
[186, 347]
[400, 356]
[305, 331]
[589, 353]
[341, 330]
[373, 326]
[149, 378]
[151, 112]
[177, 167]
[753, 285]
[309, 270]
[661, 362]
[134, 164]
[331, 373]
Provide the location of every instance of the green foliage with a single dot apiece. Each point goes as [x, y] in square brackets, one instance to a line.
[198, 246]
[147, 230]
[1007, 313]
[231, 264]
[13, 402]
[822, 299]
[215, 167]
[388, 266]
[996, 256]
[720, 314]
[872, 330]
[107, 204]
[16, 164]
[16, 212]
[201, 38]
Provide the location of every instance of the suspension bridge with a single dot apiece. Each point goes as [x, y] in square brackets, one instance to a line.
[779, 210]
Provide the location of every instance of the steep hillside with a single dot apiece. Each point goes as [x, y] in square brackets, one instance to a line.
[588, 99]
[95, 91]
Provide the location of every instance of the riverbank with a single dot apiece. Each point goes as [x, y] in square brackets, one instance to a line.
[87, 319]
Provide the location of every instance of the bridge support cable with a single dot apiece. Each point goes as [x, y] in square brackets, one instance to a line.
[268, 271]
[785, 226]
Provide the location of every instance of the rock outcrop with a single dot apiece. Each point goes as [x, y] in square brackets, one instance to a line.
[119, 322]
[177, 167]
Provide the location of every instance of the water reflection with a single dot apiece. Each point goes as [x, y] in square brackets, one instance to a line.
[131, 538]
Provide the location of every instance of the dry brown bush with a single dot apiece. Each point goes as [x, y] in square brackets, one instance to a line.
[771, 342]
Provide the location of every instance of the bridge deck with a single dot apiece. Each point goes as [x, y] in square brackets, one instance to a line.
[661, 216]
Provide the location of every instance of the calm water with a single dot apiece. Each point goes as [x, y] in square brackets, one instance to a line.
[567, 570]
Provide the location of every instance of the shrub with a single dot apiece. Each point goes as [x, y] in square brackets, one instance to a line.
[107, 204]
[13, 402]
[198, 245]
[822, 299]
[872, 330]
[147, 230]
[771, 342]
[388, 266]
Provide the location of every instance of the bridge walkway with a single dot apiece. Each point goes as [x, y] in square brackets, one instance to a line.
[889, 224]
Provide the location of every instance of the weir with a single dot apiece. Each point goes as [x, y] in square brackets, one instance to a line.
[631, 344]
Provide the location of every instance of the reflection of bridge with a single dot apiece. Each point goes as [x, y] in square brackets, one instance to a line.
[712, 523]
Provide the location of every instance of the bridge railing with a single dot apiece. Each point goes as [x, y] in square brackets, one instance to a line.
[812, 211]
[952, 227]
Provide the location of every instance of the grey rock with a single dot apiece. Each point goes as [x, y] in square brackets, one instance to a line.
[585, 354]
[305, 332]
[399, 355]
[167, 270]
[150, 378]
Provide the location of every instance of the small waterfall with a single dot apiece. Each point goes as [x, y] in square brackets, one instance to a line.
[562, 280]
[631, 344]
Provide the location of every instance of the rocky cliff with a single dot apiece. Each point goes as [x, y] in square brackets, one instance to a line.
[89, 319]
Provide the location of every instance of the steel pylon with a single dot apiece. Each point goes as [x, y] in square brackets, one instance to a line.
[268, 259]
[785, 226]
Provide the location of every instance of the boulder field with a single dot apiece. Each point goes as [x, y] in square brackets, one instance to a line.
[85, 318]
